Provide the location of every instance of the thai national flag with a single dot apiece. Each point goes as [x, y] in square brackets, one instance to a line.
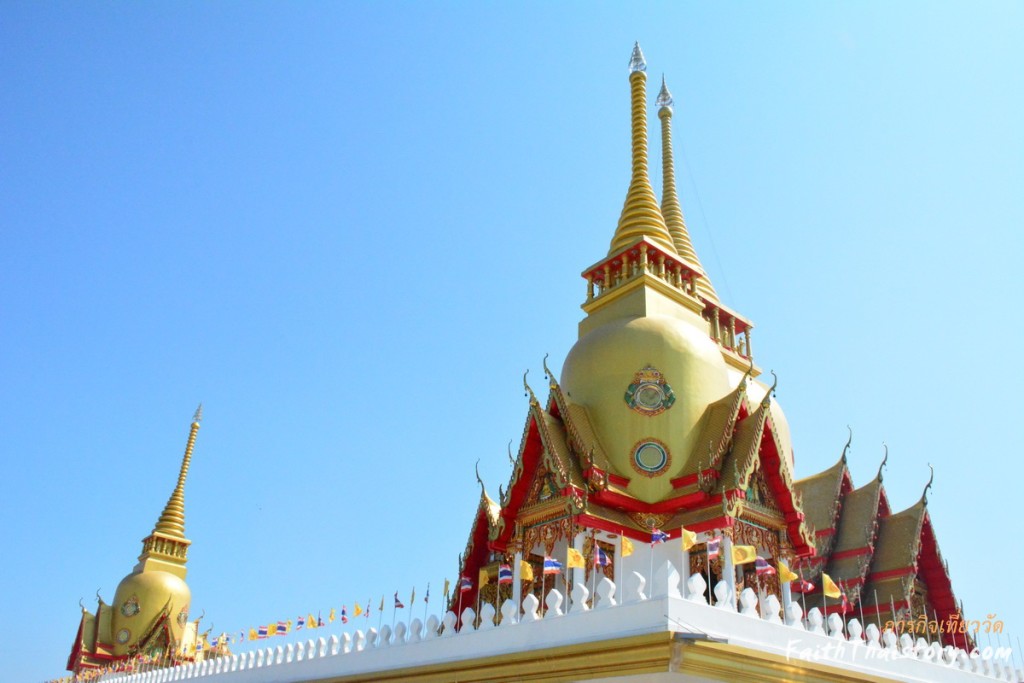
[300, 622]
[319, 621]
[803, 586]
[465, 584]
[552, 566]
[282, 628]
[398, 603]
[763, 567]
[601, 558]
[505, 574]
[658, 536]
[344, 615]
[262, 632]
[714, 547]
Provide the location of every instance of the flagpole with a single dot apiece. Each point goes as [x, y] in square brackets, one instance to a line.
[843, 604]
[426, 604]
[803, 590]
[593, 569]
[878, 611]
[860, 605]
[892, 608]
[760, 602]
[952, 634]
[394, 612]
[567, 578]
[1019, 651]
[459, 615]
[707, 559]
[479, 593]
[380, 617]
[543, 582]
[650, 580]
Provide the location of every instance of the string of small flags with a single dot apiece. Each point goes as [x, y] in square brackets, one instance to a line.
[308, 621]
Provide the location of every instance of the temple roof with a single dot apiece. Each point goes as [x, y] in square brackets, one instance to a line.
[820, 493]
[899, 537]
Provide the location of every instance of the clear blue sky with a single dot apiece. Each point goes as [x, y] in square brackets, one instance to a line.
[348, 228]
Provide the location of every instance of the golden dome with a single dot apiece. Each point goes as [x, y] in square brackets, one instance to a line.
[140, 600]
[646, 382]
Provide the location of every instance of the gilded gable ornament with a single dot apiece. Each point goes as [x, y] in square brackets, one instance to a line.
[183, 616]
[130, 607]
[649, 394]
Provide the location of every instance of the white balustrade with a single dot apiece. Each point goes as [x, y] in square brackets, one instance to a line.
[666, 584]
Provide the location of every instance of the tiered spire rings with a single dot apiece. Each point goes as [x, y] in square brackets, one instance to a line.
[641, 215]
[172, 519]
[670, 208]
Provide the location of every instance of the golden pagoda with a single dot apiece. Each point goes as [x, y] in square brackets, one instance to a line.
[659, 424]
[149, 617]
[658, 428]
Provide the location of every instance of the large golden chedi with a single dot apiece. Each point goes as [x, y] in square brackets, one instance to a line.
[657, 347]
[149, 615]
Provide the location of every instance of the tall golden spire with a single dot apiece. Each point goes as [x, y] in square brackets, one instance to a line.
[670, 207]
[166, 548]
[641, 215]
[172, 519]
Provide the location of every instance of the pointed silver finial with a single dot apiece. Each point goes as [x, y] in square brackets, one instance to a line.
[198, 417]
[637, 61]
[664, 100]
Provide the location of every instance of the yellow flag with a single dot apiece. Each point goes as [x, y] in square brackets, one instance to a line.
[412, 599]
[447, 585]
[575, 559]
[484, 578]
[310, 621]
[627, 547]
[743, 554]
[357, 611]
[381, 608]
[332, 616]
[785, 573]
[525, 571]
[252, 634]
[689, 538]
[829, 587]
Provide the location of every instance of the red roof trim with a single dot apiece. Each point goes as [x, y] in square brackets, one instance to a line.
[853, 552]
[890, 574]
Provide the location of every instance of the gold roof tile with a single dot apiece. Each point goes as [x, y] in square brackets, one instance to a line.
[899, 537]
[820, 493]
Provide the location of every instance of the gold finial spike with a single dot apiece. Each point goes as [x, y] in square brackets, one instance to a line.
[552, 382]
[529, 391]
[483, 489]
[636, 60]
[931, 480]
[749, 373]
[771, 390]
[670, 207]
[641, 215]
[172, 519]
